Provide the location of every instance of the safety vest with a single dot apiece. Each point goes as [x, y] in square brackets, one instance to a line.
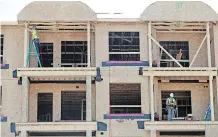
[34, 34]
[171, 100]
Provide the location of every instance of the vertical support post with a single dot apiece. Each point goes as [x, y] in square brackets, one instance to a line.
[88, 103]
[216, 98]
[26, 44]
[23, 134]
[208, 44]
[211, 97]
[153, 133]
[152, 96]
[88, 98]
[149, 44]
[25, 91]
[88, 45]
[88, 133]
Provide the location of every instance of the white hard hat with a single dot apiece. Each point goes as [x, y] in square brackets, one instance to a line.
[171, 94]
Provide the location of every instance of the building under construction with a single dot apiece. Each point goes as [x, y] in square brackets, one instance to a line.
[110, 77]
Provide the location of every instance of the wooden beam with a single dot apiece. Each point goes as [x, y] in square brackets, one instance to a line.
[166, 52]
[179, 28]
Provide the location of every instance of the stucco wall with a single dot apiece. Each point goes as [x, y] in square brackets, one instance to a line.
[102, 38]
[199, 96]
[56, 90]
[120, 75]
[11, 91]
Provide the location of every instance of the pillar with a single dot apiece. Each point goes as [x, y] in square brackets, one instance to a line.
[208, 44]
[26, 44]
[211, 97]
[149, 45]
[23, 134]
[153, 133]
[88, 46]
[88, 103]
[152, 97]
[25, 91]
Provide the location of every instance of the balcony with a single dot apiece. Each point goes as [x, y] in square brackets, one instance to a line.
[49, 72]
[178, 71]
[178, 125]
[53, 127]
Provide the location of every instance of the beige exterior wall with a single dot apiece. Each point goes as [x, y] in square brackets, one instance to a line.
[102, 38]
[199, 96]
[13, 55]
[120, 75]
[11, 91]
[56, 90]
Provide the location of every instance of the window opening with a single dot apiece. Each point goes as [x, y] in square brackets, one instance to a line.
[74, 53]
[178, 49]
[124, 46]
[125, 98]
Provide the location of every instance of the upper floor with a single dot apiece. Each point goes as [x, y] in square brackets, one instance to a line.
[165, 35]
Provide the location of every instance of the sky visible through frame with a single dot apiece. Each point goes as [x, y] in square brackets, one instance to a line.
[129, 8]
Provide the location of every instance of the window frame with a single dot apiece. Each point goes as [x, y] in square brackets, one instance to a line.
[41, 54]
[116, 106]
[74, 45]
[173, 47]
[2, 48]
[129, 51]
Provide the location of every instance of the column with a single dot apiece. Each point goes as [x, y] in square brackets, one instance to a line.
[149, 45]
[211, 97]
[208, 45]
[26, 44]
[25, 91]
[88, 103]
[153, 133]
[88, 46]
[152, 97]
[23, 134]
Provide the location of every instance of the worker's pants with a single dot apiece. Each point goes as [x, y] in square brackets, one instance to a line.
[36, 42]
[171, 112]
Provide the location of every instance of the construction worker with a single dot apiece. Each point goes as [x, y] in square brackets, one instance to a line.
[171, 104]
[35, 38]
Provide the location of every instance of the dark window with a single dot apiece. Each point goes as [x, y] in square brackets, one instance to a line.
[125, 98]
[0, 95]
[73, 105]
[74, 53]
[45, 107]
[121, 43]
[173, 48]
[2, 48]
[183, 99]
[46, 54]
[183, 133]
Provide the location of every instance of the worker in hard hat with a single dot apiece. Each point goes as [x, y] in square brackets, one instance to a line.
[171, 104]
[35, 38]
